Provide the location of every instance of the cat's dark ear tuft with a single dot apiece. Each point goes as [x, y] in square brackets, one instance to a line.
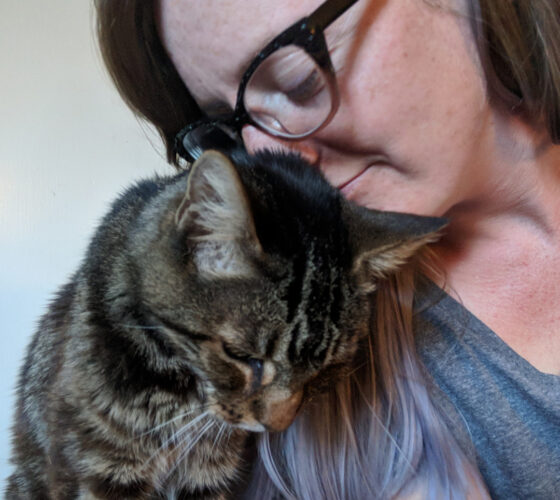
[215, 216]
[381, 242]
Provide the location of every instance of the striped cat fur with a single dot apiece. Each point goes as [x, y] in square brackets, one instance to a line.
[210, 305]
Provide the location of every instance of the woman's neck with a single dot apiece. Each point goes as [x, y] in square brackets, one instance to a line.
[501, 256]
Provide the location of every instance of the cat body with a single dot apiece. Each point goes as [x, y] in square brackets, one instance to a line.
[210, 305]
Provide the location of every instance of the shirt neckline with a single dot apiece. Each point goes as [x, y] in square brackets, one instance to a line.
[431, 295]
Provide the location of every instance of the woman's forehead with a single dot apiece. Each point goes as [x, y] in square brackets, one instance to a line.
[211, 42]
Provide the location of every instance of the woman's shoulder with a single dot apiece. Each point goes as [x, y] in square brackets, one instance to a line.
[492, 397]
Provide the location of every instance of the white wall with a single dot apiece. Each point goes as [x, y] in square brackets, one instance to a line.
[67, 146]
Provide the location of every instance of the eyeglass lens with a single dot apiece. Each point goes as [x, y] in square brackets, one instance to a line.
[289, 95]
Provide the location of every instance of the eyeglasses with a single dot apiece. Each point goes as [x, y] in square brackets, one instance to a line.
[289, 90]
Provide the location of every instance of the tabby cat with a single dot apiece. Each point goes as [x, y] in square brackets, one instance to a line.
[210, 305]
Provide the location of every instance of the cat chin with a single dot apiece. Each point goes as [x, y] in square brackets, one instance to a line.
[252, 427]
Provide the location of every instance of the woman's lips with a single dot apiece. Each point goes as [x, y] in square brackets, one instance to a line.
[352, 185]
[373, 161]
[349, 185]
[347, 182]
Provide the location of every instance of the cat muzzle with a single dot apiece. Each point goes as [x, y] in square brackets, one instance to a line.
[279, 414]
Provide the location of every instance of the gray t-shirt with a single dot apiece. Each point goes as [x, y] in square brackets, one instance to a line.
[508, 408]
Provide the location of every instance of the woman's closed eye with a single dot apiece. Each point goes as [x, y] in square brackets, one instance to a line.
[306, 89]
[291, 72]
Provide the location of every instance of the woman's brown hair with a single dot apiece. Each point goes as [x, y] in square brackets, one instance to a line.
[141, 69]
[519, 44]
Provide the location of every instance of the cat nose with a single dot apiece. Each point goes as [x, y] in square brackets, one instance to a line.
[281, 411]
[255, 139]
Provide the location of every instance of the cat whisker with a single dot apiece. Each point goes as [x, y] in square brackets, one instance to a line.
[175, 437]
[229, 431]
[198, 436]
[223, 427]
[174, 419]
[186, 428]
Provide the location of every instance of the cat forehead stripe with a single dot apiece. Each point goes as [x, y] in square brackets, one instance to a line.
[313, 329]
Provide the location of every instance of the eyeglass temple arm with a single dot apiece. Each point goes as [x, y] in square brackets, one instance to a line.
[328, 11]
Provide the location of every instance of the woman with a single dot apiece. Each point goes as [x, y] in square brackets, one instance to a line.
[447, 108]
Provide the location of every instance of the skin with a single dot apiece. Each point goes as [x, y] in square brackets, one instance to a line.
[415, 132]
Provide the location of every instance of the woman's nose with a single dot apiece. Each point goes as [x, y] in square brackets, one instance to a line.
[256, 139]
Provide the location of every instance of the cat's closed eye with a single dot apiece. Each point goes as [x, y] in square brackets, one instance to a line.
[256, 365]
[257, 368]
[235, 353]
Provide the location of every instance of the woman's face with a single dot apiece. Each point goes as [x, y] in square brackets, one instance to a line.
[413, 128]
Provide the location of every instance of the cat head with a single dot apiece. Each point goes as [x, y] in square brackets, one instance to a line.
[265, 282]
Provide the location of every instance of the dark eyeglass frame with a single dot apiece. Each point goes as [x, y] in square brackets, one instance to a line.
[307, 33]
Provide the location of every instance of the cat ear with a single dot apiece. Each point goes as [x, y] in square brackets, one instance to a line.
[381, 242]
[216, 218]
